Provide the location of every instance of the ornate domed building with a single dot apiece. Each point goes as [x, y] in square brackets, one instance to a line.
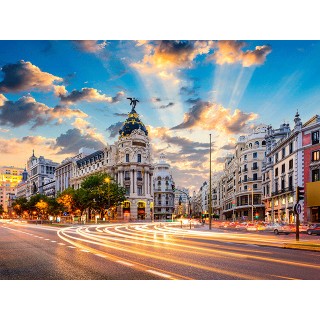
[129, 162]
[133, 168]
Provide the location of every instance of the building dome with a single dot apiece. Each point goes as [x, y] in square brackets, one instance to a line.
[132, 123]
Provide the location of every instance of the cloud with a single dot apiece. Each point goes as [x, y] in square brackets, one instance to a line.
[92, 46]
[87, 129]
[27, 110]
[219, 160]
[85, 94]
[23, 76]
[193, 101]
[73, 140]
[120, 114]
[230, 146]
[155, 99]
[16, 151]
[165, 106]
[187, 90]
[212, 116]
[230, 52]
[114, 129]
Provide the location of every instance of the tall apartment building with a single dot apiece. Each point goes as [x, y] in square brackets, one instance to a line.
[40, 172]
[163, 193]
[9, 178]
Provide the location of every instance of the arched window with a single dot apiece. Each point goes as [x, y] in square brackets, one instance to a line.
[139, 157]
[127, 157]
[256, 144]
[263, 143]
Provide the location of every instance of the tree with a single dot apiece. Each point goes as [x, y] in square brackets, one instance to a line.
[1, 210]
[102, 192]
[20, 205]
[67, 200]
[42, 207]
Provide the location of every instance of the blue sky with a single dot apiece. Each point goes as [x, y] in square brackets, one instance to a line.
[58, 95]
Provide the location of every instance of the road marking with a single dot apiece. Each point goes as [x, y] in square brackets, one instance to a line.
[71, 247]
[124, 262]
[53, 241]
[100, 255]
[61, 244]
[284, 277]
[159, 274]
[85, 250]
[41, 237]
[46, 239]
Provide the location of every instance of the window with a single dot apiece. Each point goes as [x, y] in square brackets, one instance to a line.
[254, 166]
[245, 168]
[276, 157]
[255, 176]
[254, 155]
[283, 168]
[315, 175]
[139, 190]
[315, 155]
[256, 144]
[263, 143]
[127, 191]
[283, 152]
[290, 147]
[127, 157]
[276, 172]
[245, 178]
[139, 157]
[245, 157]
[282, 184]
[255, 186]
[290, 183]
[291, 164]
[276, 187]
[126, 175]
[245, 187]
[315, 137]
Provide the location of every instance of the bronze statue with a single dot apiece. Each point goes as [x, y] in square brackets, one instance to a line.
[133, 102]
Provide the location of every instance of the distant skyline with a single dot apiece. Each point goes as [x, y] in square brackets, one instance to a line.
[59, 96]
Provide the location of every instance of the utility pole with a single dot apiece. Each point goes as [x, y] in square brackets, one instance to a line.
[210, 202]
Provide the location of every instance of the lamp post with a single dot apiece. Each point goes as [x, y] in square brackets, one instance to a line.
[210, 204]
[251, 201]
[107, 180]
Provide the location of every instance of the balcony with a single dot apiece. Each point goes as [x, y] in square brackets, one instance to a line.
[126, 178]
[245, 170]
[139, 178]
[281, 191]
[252, 179]
[255, 168]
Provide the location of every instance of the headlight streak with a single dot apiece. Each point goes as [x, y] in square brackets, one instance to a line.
[137, 265]
[209, 252]
[148, 255]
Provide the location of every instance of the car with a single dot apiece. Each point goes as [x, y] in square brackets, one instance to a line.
[251, 227]
[314, 229]
[281, 228]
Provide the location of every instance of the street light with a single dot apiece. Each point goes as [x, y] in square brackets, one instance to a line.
[251, 189]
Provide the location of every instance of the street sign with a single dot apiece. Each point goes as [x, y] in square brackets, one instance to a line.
[297, 208]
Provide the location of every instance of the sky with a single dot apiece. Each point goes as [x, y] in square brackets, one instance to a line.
[57, 96]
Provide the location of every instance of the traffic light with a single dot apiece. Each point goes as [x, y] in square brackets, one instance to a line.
[299, 193]
[173, 188]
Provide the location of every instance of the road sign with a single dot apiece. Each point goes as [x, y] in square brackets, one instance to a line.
[297, 208]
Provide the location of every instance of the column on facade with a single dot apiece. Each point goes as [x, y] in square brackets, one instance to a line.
[146, 177]
[131, 181]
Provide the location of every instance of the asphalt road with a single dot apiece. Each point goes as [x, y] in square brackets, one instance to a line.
[147, 251]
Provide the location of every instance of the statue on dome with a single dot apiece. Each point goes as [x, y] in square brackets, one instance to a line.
[133, 102]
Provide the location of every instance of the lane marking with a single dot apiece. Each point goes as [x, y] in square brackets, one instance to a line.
[41, 237]
[53, 241]
[284, 277]
[61, 244]
[164, 275]
[125, 263]
[85, 250]
[46, 239]
[100, 255]
[71, 247]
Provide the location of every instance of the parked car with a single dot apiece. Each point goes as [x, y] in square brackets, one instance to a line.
[281, 228]
[314, 229]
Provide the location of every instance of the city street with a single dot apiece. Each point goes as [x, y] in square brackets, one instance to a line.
[149, 251]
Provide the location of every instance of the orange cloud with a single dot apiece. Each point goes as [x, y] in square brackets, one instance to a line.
[212, 116]
[92, 46]
[230, 52]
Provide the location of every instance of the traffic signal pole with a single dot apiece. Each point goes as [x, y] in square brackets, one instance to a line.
[297, 209]
[210, 201]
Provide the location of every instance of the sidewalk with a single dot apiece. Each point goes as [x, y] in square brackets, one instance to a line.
[309, 245]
